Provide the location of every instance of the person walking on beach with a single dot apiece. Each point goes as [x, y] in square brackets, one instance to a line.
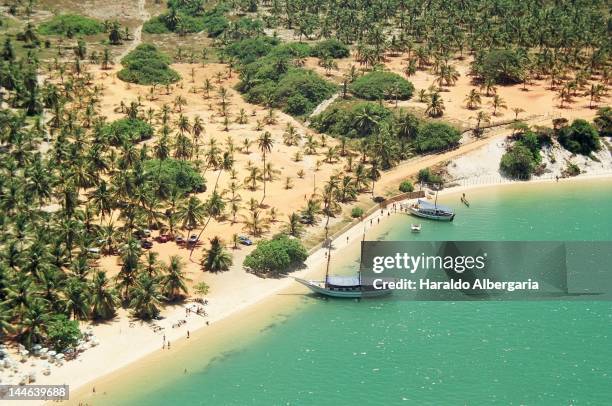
[187, 333]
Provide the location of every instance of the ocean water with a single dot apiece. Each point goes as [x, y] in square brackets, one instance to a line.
[385, 352]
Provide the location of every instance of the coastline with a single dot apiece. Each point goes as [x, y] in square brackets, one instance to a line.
[256, 310]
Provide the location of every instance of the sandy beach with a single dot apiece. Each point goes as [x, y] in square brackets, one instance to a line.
[244, 296]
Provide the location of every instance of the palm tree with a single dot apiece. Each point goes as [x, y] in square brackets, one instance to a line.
[294, 225]
[103, 297]
[265, 143]
[435, 106]
[174, 280]
[216, 258]
[256, 223]
[191, 213]
[146, 297]
[77, 299]
[498, 103]
[595, 93]
[374, 174]
[473, 99]
[517, 111]
[481, 117]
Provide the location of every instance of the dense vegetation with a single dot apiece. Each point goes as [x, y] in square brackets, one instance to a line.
[71, 24]
[185, 17]
[276, 256]
[379, 85]
[145, 65]
[178, 173]
[352, 120]
[433, 137]
[386, 136]
[330, 48]
[127, 130]
[268, 76]
[580, 137]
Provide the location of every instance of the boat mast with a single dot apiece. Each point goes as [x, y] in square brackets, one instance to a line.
[328, 261]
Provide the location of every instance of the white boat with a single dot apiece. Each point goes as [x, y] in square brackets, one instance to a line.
[343, 287]
[425, 209]
[416, 228]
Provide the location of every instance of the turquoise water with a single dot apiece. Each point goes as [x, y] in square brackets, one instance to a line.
[390, 352]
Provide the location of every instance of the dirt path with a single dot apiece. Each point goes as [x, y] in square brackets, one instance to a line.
[323, 105]
[144, 16]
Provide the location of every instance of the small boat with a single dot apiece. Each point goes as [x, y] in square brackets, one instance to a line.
[416, 228]
[425, 209]
[343, 287]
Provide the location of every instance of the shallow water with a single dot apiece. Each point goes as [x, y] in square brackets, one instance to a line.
[387, 352]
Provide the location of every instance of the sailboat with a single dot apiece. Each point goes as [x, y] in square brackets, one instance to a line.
[342, 286]
[425, 209]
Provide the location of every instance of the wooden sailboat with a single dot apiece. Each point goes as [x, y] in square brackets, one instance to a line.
[342, 286]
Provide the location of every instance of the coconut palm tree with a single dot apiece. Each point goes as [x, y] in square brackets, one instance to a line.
[480, 118]
[256, 223]
[294, 226]
[103, 297]
[174, 281]
[216, 258]
[191, 213]
[498, 103]
[146, 297]
[265, 144]
[473, 99]
[435, 105]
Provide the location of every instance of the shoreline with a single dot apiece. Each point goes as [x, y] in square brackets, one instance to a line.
[268, 299]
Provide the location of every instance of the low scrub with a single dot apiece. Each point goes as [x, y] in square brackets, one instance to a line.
[382, 85]
[145, 65]
[71, 24]
[277, 256]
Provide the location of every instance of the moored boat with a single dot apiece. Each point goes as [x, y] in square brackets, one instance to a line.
[343, 287]
[416, 228]
[432, 211]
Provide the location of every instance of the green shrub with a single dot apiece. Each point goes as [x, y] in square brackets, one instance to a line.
[603, 121]
[145, 65]
[518, 162]
[291, 50]
[297, 105]
[504, 66]
[330, 47]
[356, 212]
[382, 85]
[155, 25]
[406, 187]
[251, 49]
[128, 130]
[571, 170]
[276, 256]
[580, 138]
[173, 172]
[435, 136]
[304, 83]
[427, 176]
[66, 24]
[62, 333]
[189, 19]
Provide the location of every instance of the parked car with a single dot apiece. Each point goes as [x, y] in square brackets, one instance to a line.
[146, 244]
[93, 251]
[179, 240]
[163, 238]
[244, 240]
[193, 239]
[144, 233]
